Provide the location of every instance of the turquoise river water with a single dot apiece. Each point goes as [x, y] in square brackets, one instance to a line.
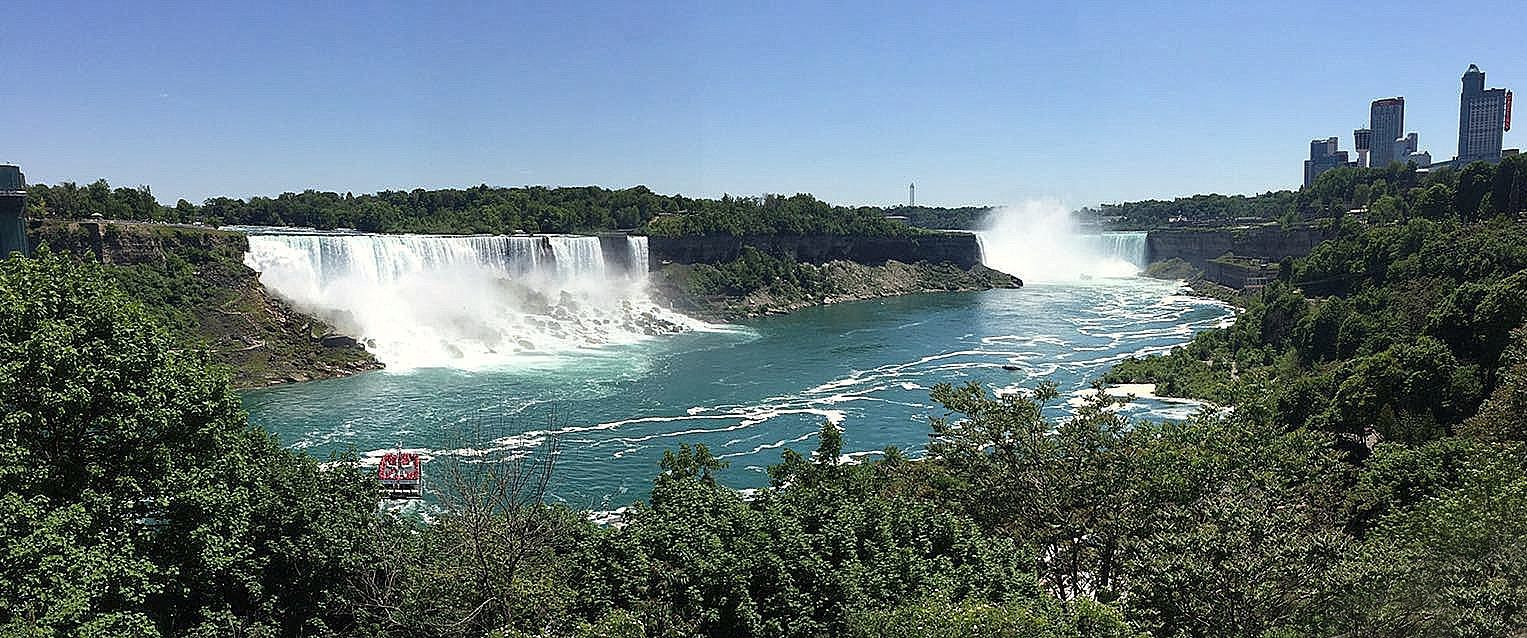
[749, 390]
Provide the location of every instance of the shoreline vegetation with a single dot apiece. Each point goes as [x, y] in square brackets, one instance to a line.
[758, 284]
[1370, 480]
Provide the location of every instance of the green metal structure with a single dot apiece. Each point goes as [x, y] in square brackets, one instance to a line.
[13, 205]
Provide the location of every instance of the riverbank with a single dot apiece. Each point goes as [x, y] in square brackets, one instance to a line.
[687, 288]
[1180, 270]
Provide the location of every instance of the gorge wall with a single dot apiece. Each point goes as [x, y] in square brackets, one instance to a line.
[960, 249]
[1200, 246]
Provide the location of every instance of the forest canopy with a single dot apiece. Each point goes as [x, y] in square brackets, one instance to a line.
[478, 210]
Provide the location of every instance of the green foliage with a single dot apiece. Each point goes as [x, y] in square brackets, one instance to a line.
[1436, 202]
[482, 209]
[961, 218]
[754, 270]
[1335, 499]
[1027, 619]
[1446, 546]
[798, 561]
[1500, 417]
[1339, 190]
[1209, 527]
[137, 500]
[799, 214]
[1198, 209]
[1423, 380]
[1474, 183]
[1477, 319]
[1190, 370]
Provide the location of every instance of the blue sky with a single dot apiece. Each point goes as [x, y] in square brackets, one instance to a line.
[978, 103]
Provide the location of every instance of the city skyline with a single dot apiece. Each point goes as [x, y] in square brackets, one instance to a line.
[976, 105]
[1484, 116]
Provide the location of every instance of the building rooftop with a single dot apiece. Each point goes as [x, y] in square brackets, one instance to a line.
[11, 180]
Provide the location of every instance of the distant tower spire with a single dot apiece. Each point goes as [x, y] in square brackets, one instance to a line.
[912, 194]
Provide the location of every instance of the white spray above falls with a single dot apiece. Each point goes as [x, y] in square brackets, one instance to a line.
[465, 302]
[1041, 241]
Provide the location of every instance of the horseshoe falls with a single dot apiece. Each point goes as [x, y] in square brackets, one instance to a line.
[1040, 241]
[419, 301]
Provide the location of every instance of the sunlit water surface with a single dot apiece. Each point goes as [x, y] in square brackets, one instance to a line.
[750, 390]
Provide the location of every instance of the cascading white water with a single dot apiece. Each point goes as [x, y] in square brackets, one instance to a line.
[436, 301]
[1040, 241]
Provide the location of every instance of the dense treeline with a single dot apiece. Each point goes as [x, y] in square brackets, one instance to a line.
[958, 218]
[1208, 210]
[775, 214]
[485, 209]
[481, 209]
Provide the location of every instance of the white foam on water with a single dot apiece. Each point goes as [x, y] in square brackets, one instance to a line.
[469, 302]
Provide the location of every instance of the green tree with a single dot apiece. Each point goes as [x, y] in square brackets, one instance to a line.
[141, 501]
[1474, 183]
[1446, 554]
[1066, 489]
[1436, 202]
[1081, 618]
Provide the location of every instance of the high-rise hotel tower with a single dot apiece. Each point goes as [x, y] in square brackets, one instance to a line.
[1482, 118]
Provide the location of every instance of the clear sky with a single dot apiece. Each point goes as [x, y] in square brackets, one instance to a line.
[978, 103]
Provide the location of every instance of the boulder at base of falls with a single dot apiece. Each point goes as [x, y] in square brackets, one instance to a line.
[336, 340]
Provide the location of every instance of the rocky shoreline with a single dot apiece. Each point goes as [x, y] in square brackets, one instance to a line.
[843, 281]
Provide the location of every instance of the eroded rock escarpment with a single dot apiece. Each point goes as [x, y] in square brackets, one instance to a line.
[1197, 246]
[194, 280]
[841, 281]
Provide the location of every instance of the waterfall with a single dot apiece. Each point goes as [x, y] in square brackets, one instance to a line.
[1040, 241]
[467, 301]
[1121, 247]
[637, 247]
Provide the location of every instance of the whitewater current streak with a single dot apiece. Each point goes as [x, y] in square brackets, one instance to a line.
[1040, 241]
[466, 302]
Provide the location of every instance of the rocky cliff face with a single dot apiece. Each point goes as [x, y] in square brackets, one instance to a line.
[960, 249]
[194, 280]
[129, 243]
[842, 281]
[1199, 246]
